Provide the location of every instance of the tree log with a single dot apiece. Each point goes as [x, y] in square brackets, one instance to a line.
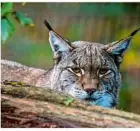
[28, 106]
[36, 107]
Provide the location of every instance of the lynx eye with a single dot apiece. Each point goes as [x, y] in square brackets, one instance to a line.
[76, 71]
[103, 71]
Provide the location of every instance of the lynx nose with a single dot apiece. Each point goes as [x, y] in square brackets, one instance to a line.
[90, 87]
[90, 91]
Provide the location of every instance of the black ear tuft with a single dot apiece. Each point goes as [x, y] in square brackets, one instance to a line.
[48, 25]
[134, 32]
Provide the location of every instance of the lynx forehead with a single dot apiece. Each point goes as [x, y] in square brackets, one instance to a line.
[89, 56]
[87, 70]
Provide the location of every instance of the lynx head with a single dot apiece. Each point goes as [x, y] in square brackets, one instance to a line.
[86, 70]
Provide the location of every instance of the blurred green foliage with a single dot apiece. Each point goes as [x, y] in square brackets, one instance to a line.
[7, 24]
[74, 31]
[24, 20]
[6, 29]
[68, 101]
[95, 9]
[6, 8]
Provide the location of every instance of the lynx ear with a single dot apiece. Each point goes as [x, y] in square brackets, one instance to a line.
[59, 45]
[119, 47]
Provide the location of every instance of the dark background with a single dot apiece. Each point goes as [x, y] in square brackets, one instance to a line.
[98, 22]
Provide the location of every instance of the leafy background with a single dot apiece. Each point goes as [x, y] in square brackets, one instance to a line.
[25, 38]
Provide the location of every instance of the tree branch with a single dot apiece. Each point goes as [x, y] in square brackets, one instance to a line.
[13, 71]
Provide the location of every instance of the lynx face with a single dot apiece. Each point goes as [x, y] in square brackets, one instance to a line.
[86, 70]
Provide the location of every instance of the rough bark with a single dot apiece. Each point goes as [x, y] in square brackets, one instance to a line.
[36, 106]
[29, 106]
[13, 71]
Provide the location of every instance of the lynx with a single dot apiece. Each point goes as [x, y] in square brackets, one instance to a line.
[86, 70]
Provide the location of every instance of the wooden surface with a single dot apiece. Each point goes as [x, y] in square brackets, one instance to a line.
[25, 106]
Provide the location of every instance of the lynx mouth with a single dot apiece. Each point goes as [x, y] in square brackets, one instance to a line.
[89, 99]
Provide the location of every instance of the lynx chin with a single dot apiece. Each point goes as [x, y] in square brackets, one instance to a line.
[87, 70]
